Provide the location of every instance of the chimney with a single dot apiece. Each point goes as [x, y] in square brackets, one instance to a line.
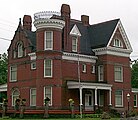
[65, 10]
[85, 20]
[27, 22]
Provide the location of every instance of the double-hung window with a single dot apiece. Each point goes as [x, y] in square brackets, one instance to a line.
[48, 40]
[84, 68]
[13, 73]
[100, 73]
[33, 97]
[119, 98]
[48, 93]
[48, 63]
[74, 43]
[118, 73]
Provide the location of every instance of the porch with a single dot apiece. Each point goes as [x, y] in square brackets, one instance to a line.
[92, 95]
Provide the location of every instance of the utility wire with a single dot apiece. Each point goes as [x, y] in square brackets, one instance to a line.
[5, 39]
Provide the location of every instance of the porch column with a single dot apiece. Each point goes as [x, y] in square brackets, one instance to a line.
[110, 97]
[95, 96]
[80, 89]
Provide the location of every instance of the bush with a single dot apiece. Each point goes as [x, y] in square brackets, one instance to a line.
[105, 115]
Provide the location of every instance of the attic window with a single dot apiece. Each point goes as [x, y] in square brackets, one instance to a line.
[20, 49]
[118, 43]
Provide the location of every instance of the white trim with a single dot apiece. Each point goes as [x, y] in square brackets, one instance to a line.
[32, 65]
[32, 56]
[74, 85]
[45, 48]
[121, 73]
[51, 94]
[31, 96]
[75, 31]
[49, 23]
[3, 87]
[123, 33]
[99, 73]
[84, 68]
[51, 68]
[134, 90]
[112, 51]
[122, 100]
[76, 45]
[16, 73]
[82, 58]
[13, 104]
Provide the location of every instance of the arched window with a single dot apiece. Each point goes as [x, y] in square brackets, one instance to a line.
[15, 95]
[118, 43]
[20, 49]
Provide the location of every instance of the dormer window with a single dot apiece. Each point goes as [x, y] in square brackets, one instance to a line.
[20, 49]
[118, 43]
[74, 43]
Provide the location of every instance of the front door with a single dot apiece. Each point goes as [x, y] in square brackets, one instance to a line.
[89, 106]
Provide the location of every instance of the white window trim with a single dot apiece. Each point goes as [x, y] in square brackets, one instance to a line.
[33, 68]
[51, 41]
[31, 96]
[121, 74]
[12, 97]
[84, 68]
[122, 101]
[120, 43]
[93, 69]
[19, 54]
[51, 68]
[10, 73]
[136, 101]
[76, 37]
[99, 78]
[51, 95]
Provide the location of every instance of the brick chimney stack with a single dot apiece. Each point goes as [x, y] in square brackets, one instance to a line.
[27, 22]
[85, 20]
[65, 14]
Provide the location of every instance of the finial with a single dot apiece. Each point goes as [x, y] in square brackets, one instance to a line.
[19, 20]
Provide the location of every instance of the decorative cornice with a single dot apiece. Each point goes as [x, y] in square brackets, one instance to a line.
[74, 85]
[49, 23]
[32, 56]
[112, 51]
[80, 57]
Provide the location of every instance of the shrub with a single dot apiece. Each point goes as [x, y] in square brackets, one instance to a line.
[105, 115]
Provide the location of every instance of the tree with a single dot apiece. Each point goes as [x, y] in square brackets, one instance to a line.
[134, 75]
[3, 68]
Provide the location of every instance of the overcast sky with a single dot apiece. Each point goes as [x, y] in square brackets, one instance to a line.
[97, 10]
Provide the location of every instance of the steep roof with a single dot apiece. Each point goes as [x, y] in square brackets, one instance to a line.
[32, 37]
[101, 33]
[94, 36]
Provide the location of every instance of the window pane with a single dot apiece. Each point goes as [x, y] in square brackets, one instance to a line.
[118, 73]
[33, 97]
[13, 73]
[48, 40]
[74, 44]
[48, 68]
[118, 98]
[48, 94]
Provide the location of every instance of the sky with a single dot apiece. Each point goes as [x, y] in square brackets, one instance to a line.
[97, 10]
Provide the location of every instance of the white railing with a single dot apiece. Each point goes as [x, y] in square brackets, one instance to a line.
[45, 14]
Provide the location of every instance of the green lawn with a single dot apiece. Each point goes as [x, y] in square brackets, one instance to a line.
[60, 119]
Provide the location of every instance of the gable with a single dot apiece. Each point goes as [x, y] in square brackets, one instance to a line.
[75, 31]
[119, 33]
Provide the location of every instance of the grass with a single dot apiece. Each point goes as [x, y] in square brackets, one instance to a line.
[60, 119]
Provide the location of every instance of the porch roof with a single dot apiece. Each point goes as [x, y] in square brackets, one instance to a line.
[88, 85]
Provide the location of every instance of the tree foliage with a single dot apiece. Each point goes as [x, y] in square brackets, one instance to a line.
[134, 73]
[3, 68]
